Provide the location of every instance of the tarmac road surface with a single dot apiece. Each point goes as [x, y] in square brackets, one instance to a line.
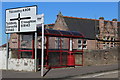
[0, 74]
[63, 72]
[109, 74]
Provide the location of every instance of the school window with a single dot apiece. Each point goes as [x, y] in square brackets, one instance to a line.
[80, 42]
[112, 44]
[79, 46]
[84, 46]
[84, 42]
[104, 46]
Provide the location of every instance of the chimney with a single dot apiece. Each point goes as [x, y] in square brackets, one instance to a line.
[114, 19]
[59, 14]
[101, 18]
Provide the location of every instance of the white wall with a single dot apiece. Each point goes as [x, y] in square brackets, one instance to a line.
[2, 58]
[15, 64]
[21, 64]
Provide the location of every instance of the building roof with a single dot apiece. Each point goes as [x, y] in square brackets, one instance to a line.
[86, 26]
[49, 26]
[60, 33]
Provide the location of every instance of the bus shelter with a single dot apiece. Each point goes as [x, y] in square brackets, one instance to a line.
[61, 48]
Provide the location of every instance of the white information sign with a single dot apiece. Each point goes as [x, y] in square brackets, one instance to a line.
[40, 20]
[21, 19]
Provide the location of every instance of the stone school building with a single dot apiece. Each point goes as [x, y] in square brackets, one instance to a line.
[99, 34]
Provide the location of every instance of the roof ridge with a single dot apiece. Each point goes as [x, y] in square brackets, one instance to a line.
[85, 18]
[79, 18]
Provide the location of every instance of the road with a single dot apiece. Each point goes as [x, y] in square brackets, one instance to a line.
[0, 74]
[110, 74]
[63, 73]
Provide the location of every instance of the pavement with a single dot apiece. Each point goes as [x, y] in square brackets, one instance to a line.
[62, 73]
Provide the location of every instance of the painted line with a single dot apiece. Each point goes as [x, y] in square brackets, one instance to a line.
[105, 73]
[98, 74]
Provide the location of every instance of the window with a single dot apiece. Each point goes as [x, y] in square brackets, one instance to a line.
[104, 38]
[84, 42]
[79, 46]
[80, 42]
[84, 46]
[112, 44]
[112, 39]
[104, 45]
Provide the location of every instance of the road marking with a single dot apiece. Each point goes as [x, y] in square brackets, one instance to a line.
[105, 73]
[99, 74]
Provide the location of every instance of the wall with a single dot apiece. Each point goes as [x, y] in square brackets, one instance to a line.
[2, 58]
[15, 64]
[60, 24]
[91, 44]
[101, 57]
[21, 64]
[13, 40]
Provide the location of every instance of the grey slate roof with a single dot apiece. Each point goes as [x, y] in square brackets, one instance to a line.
[86, 26]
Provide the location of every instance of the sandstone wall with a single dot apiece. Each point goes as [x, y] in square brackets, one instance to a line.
[101, 57]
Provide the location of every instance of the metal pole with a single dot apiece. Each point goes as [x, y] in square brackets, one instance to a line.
[35, 51]
[7, 52]
[42, 56]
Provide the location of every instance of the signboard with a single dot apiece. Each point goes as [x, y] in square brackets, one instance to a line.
[21, 19]
[40, 20]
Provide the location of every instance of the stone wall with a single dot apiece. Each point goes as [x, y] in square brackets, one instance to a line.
[101, 57]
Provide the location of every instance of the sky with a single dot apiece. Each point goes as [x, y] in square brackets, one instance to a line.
[93, 10]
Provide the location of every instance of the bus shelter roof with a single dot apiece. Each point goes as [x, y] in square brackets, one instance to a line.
[60, 33]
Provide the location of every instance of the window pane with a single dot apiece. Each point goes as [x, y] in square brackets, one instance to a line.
[26, 54]
[84, 42]
[84, 46]
[26, 41]
[79, 46]
[79, 41]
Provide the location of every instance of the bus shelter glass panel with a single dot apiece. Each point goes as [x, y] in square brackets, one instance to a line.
[26, 45]
[26, 41]
[57, 51]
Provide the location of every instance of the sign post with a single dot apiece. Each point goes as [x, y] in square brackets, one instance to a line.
[7, 52]
[35, 52]
[42, 57]
[40, 21]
